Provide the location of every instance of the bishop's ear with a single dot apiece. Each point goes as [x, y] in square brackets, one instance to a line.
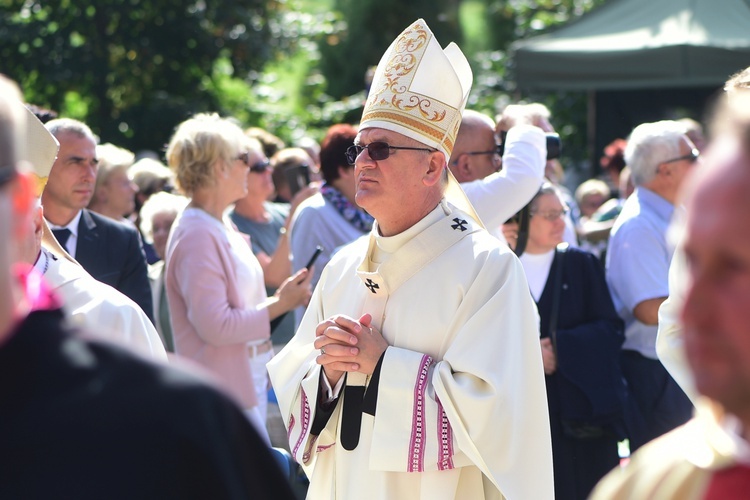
[435, 166]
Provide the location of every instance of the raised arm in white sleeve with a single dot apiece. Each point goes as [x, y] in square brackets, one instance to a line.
[499, 196]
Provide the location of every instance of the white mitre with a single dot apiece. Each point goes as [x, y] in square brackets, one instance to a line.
[420, 90]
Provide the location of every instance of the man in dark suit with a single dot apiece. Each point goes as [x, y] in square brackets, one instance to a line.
[110, 251]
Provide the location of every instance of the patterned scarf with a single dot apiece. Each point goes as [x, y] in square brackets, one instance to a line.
[352, 214]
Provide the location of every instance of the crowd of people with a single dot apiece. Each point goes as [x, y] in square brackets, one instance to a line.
[470, 328]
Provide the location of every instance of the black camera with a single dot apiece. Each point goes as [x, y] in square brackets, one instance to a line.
[298, 177]
[554, 146]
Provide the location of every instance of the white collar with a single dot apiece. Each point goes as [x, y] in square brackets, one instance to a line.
[72, 226]
[43, 260]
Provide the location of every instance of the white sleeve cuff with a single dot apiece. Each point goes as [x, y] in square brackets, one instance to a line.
[331, 393]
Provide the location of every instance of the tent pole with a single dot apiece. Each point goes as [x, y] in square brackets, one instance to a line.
[591, 132]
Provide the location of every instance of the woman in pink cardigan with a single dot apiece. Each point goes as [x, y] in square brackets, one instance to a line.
[215, 288]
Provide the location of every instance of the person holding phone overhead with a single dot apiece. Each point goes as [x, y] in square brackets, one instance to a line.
[220, 311]
[291, 172]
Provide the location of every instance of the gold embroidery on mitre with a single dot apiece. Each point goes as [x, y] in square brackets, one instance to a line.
[402, 62]
[398, 74]
[392, 100]
[424, 129]
[421, 104]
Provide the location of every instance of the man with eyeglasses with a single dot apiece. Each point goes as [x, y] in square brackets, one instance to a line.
[476, 163]
[416, 371]
[111, 251]
[660, 156]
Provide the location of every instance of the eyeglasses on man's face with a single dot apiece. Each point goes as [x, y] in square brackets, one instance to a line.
[692, 157]
[551, 215]
[377, 150]
[258, 167]
[497, 152]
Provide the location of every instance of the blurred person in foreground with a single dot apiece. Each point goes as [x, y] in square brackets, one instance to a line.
[87, 420]
[416, 371]
[669, 338]
[220, 312]
[157, 216]
[707, 458]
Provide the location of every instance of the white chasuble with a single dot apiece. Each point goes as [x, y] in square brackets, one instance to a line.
[461, 407]
[100, 310]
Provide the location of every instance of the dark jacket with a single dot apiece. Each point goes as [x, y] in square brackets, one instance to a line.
[588, 339]
[88, 420]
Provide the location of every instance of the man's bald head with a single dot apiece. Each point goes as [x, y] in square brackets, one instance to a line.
[473, 155]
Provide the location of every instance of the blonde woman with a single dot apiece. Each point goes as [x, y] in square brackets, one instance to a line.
[114, 194]
[218, 304]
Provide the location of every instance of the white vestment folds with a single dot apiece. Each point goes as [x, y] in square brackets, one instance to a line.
[100, 310]
[461, 408]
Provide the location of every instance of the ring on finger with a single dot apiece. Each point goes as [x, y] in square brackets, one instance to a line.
[322, 350]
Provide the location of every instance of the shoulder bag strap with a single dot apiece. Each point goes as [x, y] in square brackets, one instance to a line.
[557, 290]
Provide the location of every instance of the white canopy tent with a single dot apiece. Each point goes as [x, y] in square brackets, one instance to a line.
[638, 61]
[636, 44]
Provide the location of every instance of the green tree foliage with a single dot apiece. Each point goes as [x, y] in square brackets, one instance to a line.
[371, 26]
[505, 22]
[131, 68]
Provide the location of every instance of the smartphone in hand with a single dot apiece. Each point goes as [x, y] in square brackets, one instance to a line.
[314, 257]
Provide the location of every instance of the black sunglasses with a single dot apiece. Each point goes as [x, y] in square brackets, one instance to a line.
[257, 168]
[261, 167]
[377, 150]
[692, 157]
